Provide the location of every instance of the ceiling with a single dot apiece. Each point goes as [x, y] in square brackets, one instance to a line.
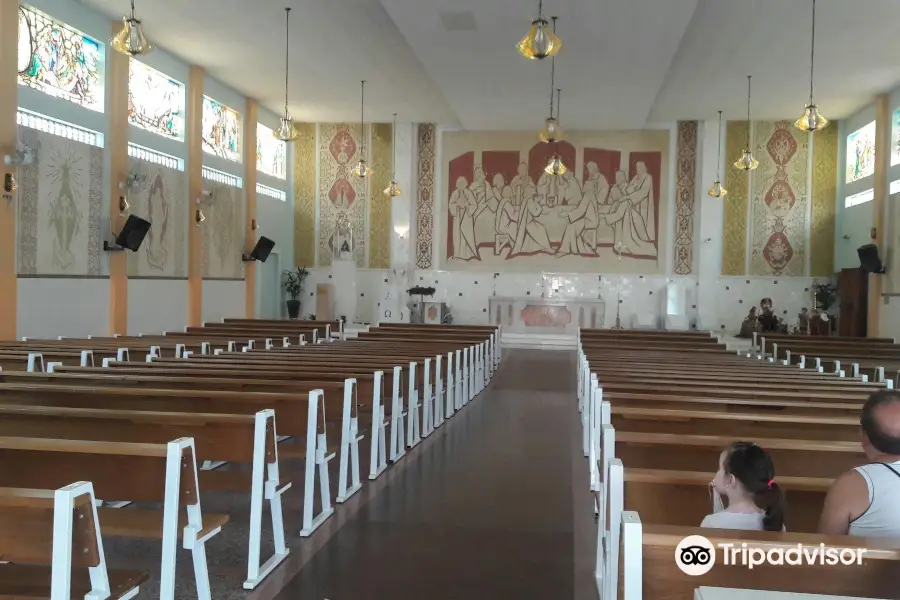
[624, 63]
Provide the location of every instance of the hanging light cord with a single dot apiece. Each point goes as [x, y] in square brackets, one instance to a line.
[719, 160]
[362, 116]
[552, 72]
[812, 53]
[394, 150]
[749, 77]
[540, 9]
[558, 102]
[132, 9]
[287, 41]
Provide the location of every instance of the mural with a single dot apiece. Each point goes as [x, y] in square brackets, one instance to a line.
[779, 215]
[162, 199]
[155, 101]
[685, 193]
[861, 153]
[341, 196]
[59, 207]
[425, 198]
[221, 130]
[223, 234]
[605, 213]
[271, 153]
[304, 173]
[60, 61]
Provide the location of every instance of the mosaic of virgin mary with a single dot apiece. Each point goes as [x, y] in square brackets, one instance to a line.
[158, 215]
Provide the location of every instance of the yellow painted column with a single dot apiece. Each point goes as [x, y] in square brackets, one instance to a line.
[9, 34]
[250, 117]
[117, 147]
[882, 164]
[193, 133]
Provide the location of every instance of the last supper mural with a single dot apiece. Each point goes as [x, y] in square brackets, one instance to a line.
[607, 212]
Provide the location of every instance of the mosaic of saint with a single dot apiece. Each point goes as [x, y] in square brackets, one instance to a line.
[60, 61]
[861, 153]
[65, 170]
[155, 102]
[221, 130]
[271, 153]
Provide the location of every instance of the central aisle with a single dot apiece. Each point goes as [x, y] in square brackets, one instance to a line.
[484, 509]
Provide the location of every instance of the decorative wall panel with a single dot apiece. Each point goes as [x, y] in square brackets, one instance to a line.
[734, 233]
[59, 207]
[685, 195]
[502, 211]
[223, 233]
[162, 199]
[779, 214]
[341, 195]
[305, 195]
[379, 202]
[824, 191]
[425, 169]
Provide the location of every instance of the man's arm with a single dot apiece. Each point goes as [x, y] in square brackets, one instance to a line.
[847, 499]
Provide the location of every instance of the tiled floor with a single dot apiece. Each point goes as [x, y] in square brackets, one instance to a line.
[486, 508]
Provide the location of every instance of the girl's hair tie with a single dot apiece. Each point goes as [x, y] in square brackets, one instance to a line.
[771, 482]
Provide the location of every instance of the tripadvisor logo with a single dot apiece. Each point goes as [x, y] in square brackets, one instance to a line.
[695, 555]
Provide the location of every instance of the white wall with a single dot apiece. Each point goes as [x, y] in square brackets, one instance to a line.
[222, 299]
[157, 305]
[50, 307]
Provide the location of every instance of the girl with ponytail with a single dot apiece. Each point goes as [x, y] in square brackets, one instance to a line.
[746, 480]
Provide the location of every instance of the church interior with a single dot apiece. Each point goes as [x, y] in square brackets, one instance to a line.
[532, 334]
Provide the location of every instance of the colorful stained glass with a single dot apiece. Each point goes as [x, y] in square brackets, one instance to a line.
[271, 153]
[221, 130]
[60, 61]
[155, 101]
[861, 153]
[895, 137]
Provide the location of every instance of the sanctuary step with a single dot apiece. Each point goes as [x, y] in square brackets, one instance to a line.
[542, 341]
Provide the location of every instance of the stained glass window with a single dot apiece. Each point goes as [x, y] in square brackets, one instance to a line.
[270, 153]
[155, 101]
[861, 153]
[221, 130]
[895, 137]
[60, 61]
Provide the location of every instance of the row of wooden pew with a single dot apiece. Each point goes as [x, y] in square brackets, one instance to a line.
[223, 408]
[658, 408]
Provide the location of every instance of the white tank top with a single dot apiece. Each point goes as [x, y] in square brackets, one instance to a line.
[882, 518]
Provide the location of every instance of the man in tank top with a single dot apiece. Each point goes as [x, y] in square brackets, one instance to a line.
[865, 501]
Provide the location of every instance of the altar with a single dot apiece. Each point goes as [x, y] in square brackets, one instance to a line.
[554, 315]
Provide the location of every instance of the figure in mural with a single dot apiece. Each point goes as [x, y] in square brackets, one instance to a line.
[158, 215]
[531, 235]
[507, 216]
[522, 185]
[65, 217]
[223, 224]
[632, 216]
[463, 206]
[596, 184]
[583, 218]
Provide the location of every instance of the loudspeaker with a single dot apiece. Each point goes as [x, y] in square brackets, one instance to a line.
[133, 233]
[262, 249]
[869, 260]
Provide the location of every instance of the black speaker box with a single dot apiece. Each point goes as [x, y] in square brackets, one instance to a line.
[133, 233]
[869, 260]
[262, 249]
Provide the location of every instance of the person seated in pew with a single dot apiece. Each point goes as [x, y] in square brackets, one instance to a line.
[866, 500]
[768, 322]
[746, 478]
[749, 325]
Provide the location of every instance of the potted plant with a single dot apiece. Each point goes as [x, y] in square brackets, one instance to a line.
[292, 283]
[826, 295]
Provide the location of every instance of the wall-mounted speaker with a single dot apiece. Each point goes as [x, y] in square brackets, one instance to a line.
[133, 233]
[261, 251]
[869, 259]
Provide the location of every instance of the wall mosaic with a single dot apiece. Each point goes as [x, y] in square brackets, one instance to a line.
[379, 202]
[305, 195]
[425, 168]
[685, 196]
[162, 199]
[223, 231]
[60, 207]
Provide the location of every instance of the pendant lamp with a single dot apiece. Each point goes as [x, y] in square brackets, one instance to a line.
[541, 41]
[811, 120]
[718, 190]
[362, 169]
[746, 162]
[393, 190]
[555, 165]
[131, 40]
[286, 131]
[551, 131]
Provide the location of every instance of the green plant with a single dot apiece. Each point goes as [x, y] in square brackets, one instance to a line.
[826, 295]
[292, 282]
[311, 317]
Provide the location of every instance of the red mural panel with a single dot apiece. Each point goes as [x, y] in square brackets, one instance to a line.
[504, 162]
[461, 166]
[653, 162]
[607, 161]
[540, 153]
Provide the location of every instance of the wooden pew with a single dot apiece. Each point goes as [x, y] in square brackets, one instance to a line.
[299, 415]
[158, 473]
[236, 438]
[333, 326]
[50, 542]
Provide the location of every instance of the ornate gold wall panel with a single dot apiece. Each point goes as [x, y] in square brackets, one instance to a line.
[379, 202]
[734, 234]
[305, 196]
[686, 192]
[824, 191]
